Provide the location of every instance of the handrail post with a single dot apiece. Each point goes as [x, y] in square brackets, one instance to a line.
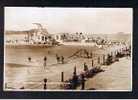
[62, 76]
[45, 85]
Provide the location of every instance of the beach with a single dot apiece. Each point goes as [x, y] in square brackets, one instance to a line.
[30, 75]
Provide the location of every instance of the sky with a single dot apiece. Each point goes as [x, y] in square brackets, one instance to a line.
[56, 20]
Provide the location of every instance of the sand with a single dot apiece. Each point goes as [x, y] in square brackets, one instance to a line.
[19, 72]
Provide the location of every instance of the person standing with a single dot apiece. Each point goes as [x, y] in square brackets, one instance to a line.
[62, 59]
[58, 58]
[45, 61]
[29, 59]
[85, 66]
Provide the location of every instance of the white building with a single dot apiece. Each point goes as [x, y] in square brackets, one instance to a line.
[33, 36]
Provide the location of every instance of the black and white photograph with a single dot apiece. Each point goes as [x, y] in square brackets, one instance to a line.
[67, 49]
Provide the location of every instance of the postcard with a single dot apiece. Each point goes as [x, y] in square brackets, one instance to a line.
[67, 49]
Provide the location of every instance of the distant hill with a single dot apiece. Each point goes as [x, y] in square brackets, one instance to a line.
[21, 32]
